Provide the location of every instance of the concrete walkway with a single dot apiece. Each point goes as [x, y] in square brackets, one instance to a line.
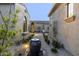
[47, 48]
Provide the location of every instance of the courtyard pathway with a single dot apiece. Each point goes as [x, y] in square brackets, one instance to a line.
[47, 48]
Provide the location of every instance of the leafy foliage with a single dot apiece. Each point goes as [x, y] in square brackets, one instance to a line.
[32, 27]
[54, 50]
[54, 29]
[46, 38]
[28, 39]
[56, 44]
[7, 33]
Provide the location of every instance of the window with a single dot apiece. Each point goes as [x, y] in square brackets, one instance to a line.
[70, 15]
[69, 9]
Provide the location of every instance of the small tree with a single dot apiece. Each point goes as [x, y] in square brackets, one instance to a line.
[32, 27]
[7, 32]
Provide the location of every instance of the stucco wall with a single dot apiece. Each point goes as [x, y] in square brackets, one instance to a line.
[68, 32]
[5, 9]
[21, 18]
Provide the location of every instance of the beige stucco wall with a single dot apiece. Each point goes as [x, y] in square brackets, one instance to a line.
[67, 32]
[5, 9]
[21, 18]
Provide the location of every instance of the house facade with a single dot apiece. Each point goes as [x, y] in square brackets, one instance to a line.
[65, 17]
[40, 26]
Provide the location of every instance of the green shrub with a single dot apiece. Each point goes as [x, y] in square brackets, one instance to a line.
[48, 42]
[29, 38]
[62, 46]
[56, 44]
[54, 50]
[46, 39]
[25, 41]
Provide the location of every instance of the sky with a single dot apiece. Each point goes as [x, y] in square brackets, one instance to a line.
[39, 11]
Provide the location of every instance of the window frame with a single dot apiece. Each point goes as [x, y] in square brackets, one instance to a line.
[68, 10]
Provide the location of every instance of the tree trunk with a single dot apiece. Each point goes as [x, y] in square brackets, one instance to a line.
[3, 42]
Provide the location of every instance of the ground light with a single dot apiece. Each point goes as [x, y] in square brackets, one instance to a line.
[26, 47]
